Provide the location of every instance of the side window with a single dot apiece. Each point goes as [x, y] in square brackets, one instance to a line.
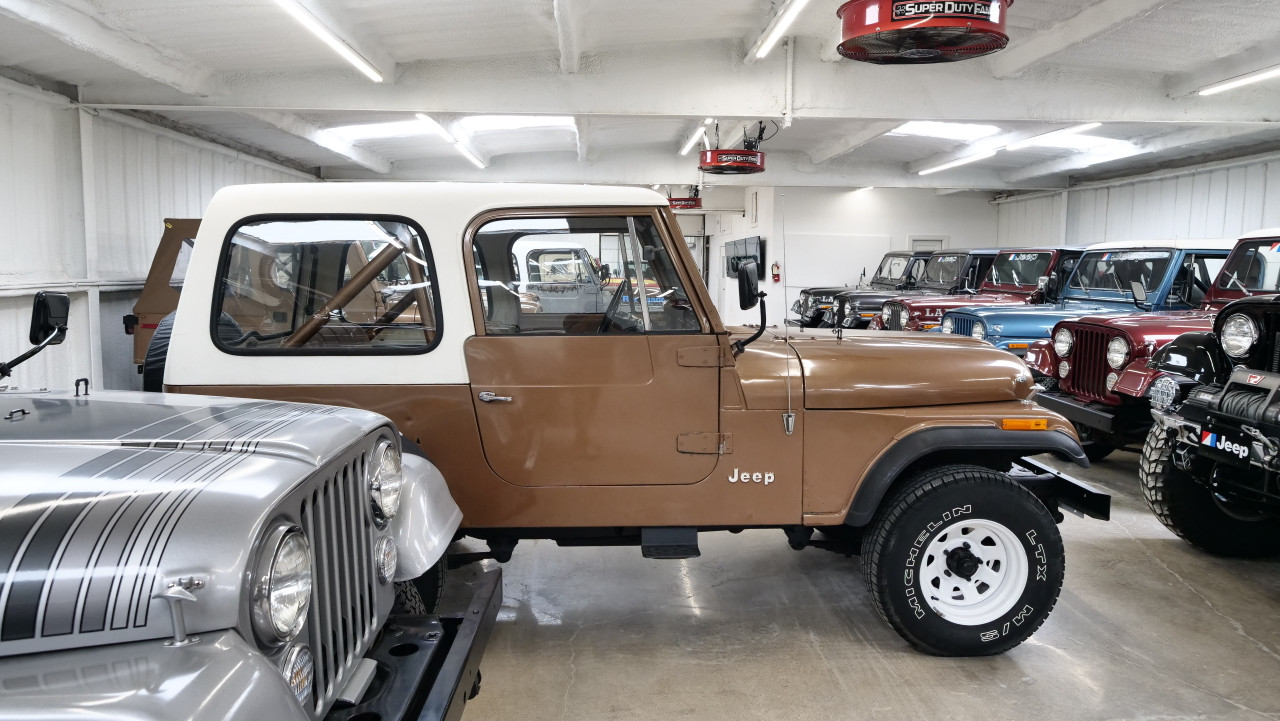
[338, 286]
[1195, 277]
[570, 275]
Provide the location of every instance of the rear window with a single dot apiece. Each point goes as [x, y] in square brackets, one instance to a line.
[306, 285]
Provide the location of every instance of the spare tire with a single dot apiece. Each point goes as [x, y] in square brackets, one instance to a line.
[157, 354]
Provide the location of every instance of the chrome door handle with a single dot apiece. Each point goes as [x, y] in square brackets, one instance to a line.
[491, 397]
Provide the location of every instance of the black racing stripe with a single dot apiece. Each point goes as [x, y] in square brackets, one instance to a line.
[190, 422]
[23, 605]
[15, 524]
[91, 468]
[98, 597]
[64, 594]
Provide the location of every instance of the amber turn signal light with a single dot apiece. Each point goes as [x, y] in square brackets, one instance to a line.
[1025, 424]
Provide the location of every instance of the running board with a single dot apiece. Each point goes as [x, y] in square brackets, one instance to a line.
[669, 542]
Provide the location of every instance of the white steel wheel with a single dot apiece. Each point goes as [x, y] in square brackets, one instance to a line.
[973, 572]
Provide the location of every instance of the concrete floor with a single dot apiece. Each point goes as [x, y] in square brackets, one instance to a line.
[1146, 628]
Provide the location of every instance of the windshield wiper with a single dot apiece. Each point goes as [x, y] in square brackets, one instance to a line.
[1236, 280]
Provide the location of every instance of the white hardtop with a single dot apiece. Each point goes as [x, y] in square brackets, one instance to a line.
[1264, 233]
[1183, 244]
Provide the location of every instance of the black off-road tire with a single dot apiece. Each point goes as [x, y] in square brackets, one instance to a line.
[1189, 509]
[927, 508]
[408, 600]
[430, 585]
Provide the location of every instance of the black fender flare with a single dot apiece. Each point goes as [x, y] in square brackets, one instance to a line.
[1197, 355]
[875, 484]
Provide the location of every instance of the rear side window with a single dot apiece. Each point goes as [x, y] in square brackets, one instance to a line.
[338, 286]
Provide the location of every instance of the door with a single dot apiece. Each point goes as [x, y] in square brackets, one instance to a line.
[627, 395]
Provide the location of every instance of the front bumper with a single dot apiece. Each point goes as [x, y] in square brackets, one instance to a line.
[1058, 490]
[429, 666]
[1130, 420]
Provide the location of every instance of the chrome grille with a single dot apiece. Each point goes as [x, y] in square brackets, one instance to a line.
[895, 316]
[1089, 369]
[963, 325]
[342, 619]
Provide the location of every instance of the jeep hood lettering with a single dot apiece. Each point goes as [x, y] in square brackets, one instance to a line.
[96, 518]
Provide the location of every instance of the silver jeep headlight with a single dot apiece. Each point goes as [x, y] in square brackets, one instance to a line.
[948, 325]
[1117, 353]
[1062, 342]
[385, 480]
[1163, 393]
[282, 584]
[1239, 334]
[979, 330]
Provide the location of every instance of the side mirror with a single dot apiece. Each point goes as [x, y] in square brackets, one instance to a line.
[1042, 283]
[49, 314]
[1139, 292]
[604, 272]
[748, 285]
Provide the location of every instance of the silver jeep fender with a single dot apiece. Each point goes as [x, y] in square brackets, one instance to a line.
[427, 519]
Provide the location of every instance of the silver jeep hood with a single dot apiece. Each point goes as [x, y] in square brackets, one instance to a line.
[105, 500]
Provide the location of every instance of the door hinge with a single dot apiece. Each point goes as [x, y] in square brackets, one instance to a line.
[707, 356]
[719, 444]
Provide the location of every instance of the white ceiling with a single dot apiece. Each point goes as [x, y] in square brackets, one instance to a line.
[639, 77]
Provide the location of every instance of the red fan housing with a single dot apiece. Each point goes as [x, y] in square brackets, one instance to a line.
[902, 32]
[731, 162]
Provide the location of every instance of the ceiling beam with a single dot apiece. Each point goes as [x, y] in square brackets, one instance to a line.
[583, 127]
[845, 144]
[340, 24]
[315, 135]
[1088, 24]
[86, 30]
[1252, 60]
[1181, 140]
[567, 35]
[995, 142]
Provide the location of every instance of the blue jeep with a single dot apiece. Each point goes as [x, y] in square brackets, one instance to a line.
[1173, 274]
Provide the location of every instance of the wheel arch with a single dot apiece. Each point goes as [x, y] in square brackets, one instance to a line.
[952, 445]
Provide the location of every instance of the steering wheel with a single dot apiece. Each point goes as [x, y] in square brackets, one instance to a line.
[614, 302]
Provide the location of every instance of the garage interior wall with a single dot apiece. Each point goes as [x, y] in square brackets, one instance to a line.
[852, 230]
[1223, 200]
[82, 201]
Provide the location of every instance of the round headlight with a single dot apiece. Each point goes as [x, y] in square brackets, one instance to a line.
[1112, 379]
[948, 325]
[1117, 353]
[299, 671]
[1062, 342]
[848, 307]
[1063, 369]
[385, 558]
[1239, 334]
[1163, 393]
[385, 479]
[282, 592]
[979, 330]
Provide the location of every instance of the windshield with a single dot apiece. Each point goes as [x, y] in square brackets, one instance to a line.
[943, 269]
[1023, 269]
[1116, 271]
[893, 267]
[1253, 267]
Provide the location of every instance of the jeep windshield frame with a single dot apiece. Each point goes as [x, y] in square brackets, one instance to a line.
[1019, 271]
[890, 273]
[1252, 268]
[1108, 274]
[943, 270]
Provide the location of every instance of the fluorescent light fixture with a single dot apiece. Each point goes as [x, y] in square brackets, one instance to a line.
[438, 129]
[473, 124]
[1047, 139]
[962, 161]
[1240, 82]
[780, 27]
[967, 132]
[863, 190]
[698, 134]
[708, 121]
[317, 28]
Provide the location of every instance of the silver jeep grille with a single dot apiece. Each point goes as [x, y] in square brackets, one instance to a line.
[963, 325]
[342, 620]
[895, 315]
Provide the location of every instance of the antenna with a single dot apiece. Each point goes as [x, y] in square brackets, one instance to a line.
[788, 418]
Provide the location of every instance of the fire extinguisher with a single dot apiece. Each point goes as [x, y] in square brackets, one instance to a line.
[777, 271]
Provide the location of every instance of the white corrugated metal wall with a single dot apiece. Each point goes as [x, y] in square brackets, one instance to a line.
[82, 198]
[1221, 200]
[1038, 221]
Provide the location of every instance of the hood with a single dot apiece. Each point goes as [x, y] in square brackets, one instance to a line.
[934, 306]
[1028, 321]
[1155, 329]
[882, 369]
[834, 290]
[105, 499]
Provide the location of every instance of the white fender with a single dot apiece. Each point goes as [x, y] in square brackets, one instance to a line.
[427, 519]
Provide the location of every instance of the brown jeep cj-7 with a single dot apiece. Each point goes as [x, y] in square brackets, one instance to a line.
[631, 415]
